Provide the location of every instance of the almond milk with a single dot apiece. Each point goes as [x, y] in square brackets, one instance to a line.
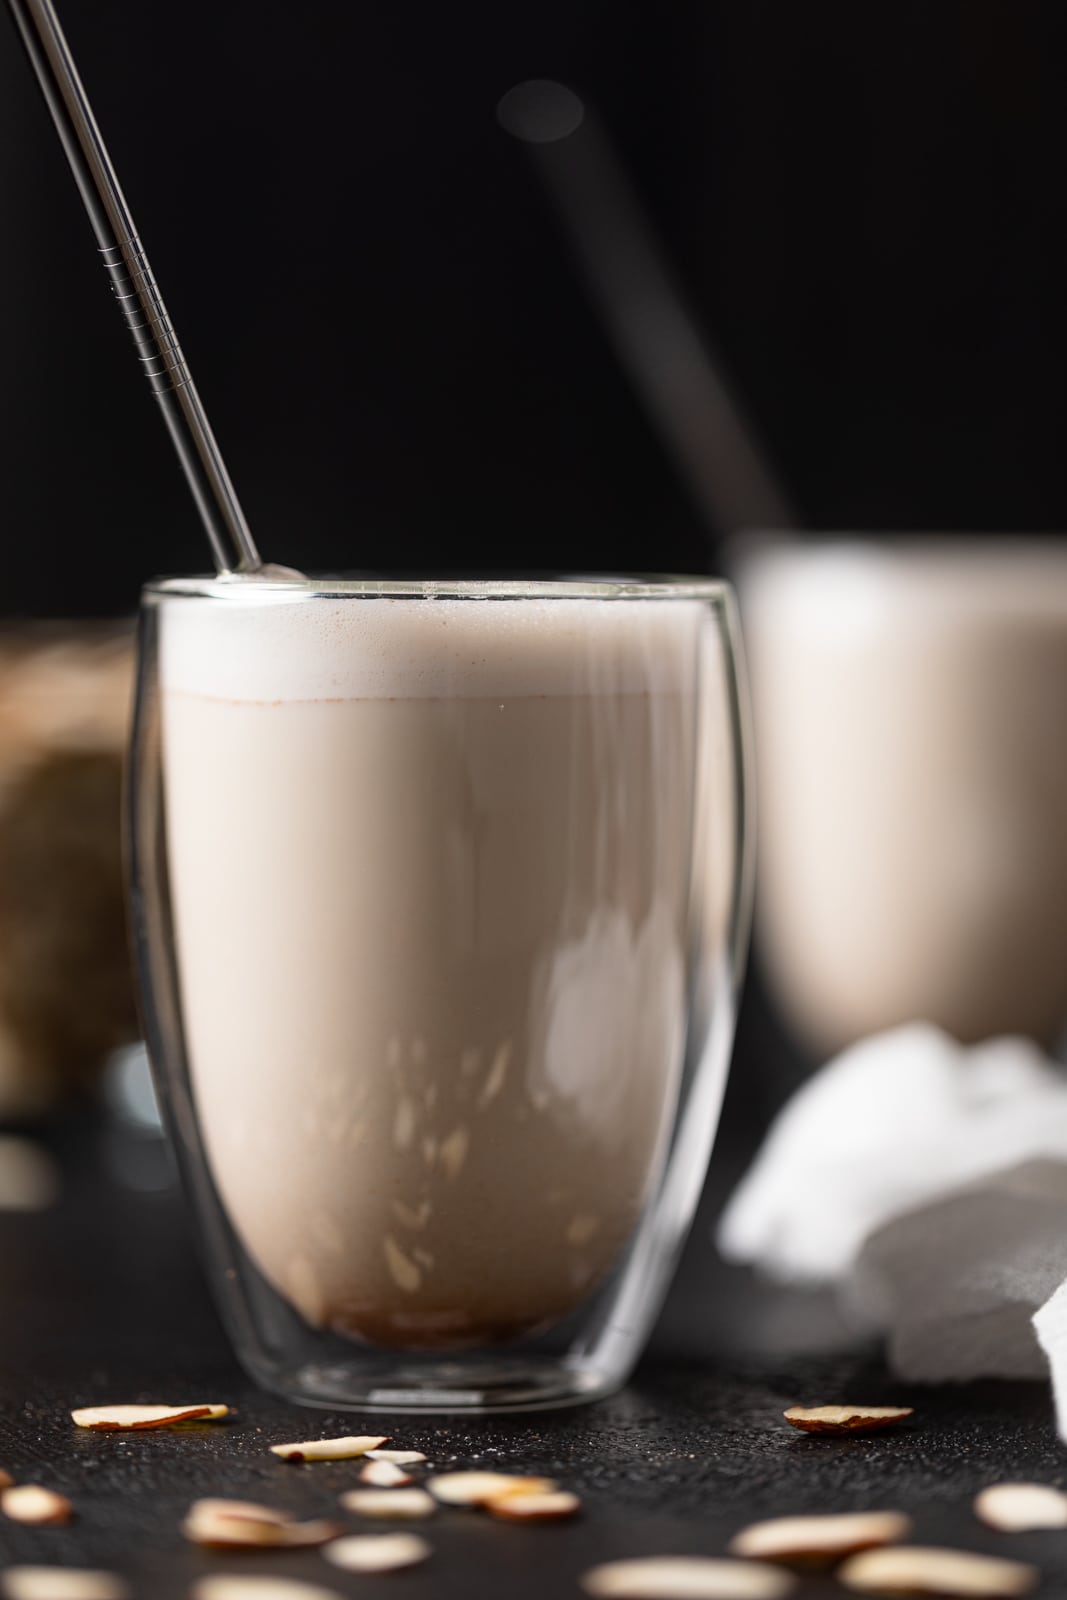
[429, 862]
[910, 706]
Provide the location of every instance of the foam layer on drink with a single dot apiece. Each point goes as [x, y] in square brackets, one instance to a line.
[281, 649]
[846, 589]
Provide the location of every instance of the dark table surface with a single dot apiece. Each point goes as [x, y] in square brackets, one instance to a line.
[101, 1301]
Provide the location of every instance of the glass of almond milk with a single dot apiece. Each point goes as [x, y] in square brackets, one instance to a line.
[441, 894]
[911, 729]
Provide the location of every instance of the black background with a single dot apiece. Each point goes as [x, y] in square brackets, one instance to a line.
[866, 203]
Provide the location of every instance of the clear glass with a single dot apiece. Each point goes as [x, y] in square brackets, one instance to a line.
[910, 708]
[441, 892]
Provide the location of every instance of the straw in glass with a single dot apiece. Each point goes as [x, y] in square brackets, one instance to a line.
[134, 287]
[653, 330]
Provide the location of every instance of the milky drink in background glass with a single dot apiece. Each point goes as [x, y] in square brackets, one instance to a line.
[441, 880]
[910, 704]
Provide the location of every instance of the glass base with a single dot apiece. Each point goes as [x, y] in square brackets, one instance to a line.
[472, 1386]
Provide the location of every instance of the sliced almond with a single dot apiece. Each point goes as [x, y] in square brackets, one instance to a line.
[550, 1507]
[822, 1538]
[686, 1578]
[6, 1480]
[846, 1419]
[239, 1511]
[230, 1533]
[378, 1552]
[926, 1570]
[401, 1458]
[219, 1530]
[61, 1583]
[303, 1535]
[29, 1502]
[478, 1488]
[384, 1475]
[1021, 1507]
[108, 1419]
[329, 1449]
[237, 1588]
[401, 1503]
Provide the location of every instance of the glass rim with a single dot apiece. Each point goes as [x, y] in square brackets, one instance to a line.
[238, 587]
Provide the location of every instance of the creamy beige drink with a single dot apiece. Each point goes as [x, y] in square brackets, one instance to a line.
[911, 729]
[429, 863]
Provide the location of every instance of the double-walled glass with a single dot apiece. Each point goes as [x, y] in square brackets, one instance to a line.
[440, 893]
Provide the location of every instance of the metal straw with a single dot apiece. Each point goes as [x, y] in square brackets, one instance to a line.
[134, 287]
[652, 329]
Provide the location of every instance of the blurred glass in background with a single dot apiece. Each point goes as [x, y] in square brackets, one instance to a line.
[910, 706]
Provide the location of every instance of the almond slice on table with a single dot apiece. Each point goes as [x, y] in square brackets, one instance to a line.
[220, 1525]
[230, 1533]
[304, 1535]
[555, 1506]
[29, 1502]
[384, 1475]
[819, 1538]
[329, 1449]
[927, 1570]
[402, 1503]
[61, 1583]
[478, 1488]
[239, 1511]
[686, 1578]
[846, 1419]
[378, 1552]
[108, 1419]
[400, 1458]
[1021, 1507]
[233, 1535]
[226, 1587]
